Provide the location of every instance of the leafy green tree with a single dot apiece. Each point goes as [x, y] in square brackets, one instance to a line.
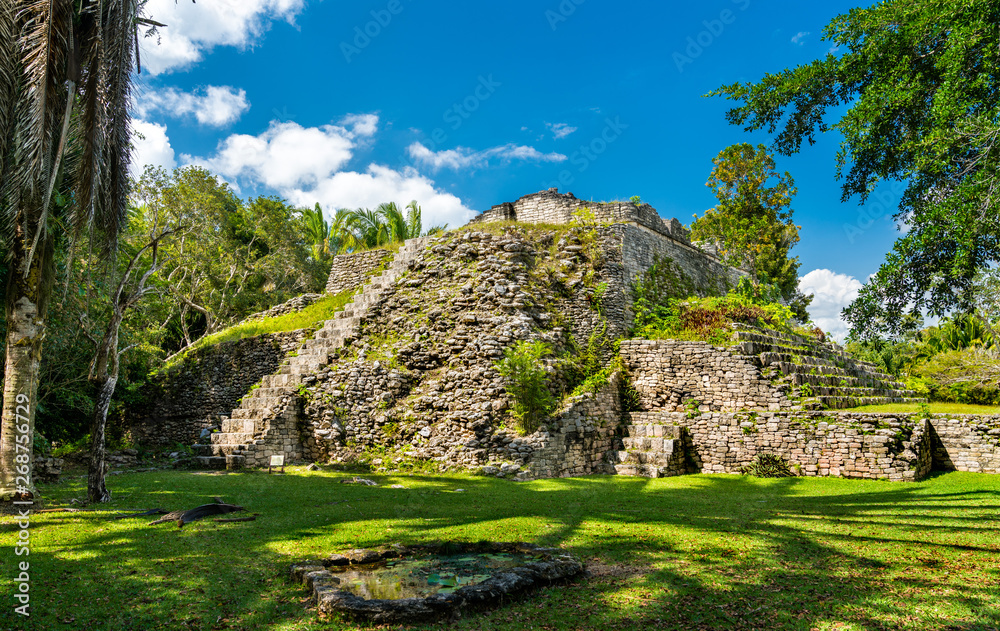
[919, 82]
[752, 222]
[232, 258]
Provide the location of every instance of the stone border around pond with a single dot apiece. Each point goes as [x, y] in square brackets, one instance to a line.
[555, 565]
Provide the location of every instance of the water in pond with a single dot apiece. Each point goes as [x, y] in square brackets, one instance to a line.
[419, 577]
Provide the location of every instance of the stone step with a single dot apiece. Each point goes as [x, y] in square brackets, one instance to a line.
[320, 352]
[658, 458]
[648, 443]
[235, 462]
[227, 438]
[257, 403]
[798, 367]
[277, 381]
[267, 391]
[295, 371]
[257, 415]
[654, 431]
[228, 450]
[858, 393]
[638, 470]
[812, 379]
[838, 403]
[212, 462]
[242, 426]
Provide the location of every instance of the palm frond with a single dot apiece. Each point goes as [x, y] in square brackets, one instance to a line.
[414, 223]
[10, 81]
[112, 214]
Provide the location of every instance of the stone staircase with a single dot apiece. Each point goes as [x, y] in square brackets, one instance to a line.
[652, 451]
[266, 421]
[820, 371]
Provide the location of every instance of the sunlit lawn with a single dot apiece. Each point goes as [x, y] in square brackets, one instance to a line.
[696, 552]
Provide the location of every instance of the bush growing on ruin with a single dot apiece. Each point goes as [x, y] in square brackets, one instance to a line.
[710, 319]
[527, 384]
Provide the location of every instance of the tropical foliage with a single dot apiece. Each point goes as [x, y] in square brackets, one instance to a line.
[752, 222]
[363, 228]
[711, 318]
[917, 82]
[231, 258]
[956, 361]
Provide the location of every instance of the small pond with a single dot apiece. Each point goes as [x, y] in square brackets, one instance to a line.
[407, 584]
[427, 574]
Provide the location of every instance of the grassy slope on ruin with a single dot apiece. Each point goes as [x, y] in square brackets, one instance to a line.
[311, 317]
[695, 552]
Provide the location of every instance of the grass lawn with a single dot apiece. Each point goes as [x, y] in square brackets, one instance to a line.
[936, 408]
[695, 552]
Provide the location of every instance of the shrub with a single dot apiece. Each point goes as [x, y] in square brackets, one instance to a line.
[767, 466]
[969, 375]
[527, 384]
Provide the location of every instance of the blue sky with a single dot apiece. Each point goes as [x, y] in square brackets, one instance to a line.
[462, 106]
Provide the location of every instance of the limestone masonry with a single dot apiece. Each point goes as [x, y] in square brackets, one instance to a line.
[405, 375]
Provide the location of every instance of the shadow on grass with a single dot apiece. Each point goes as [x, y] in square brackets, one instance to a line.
[700, 552]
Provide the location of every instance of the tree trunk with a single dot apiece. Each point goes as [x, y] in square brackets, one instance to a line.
[96, 489]
[26, 303]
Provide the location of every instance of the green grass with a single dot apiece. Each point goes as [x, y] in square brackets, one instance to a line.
[936, 408]
[695, 552]
[310, 317]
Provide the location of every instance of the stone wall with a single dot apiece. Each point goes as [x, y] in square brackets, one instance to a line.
[581, 438]
[350, 271]
[553, 208]
[675, 375]
[641, 246]
[849, 445]
[966, 443]
[205, 385]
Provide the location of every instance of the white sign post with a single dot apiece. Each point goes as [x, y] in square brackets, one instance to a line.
[277, 461]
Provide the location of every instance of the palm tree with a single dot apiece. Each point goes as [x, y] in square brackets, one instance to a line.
[363, 229]
[65, 88]
[318, 232]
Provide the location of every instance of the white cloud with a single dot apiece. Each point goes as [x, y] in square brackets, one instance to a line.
[195, 29]
[833, 292]
[361, 124]
[463, 157]
[560, 130]
[215, 105]
[287, 155]
[379, 184]
[152, 147]
[800, 37]
[304, 165]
